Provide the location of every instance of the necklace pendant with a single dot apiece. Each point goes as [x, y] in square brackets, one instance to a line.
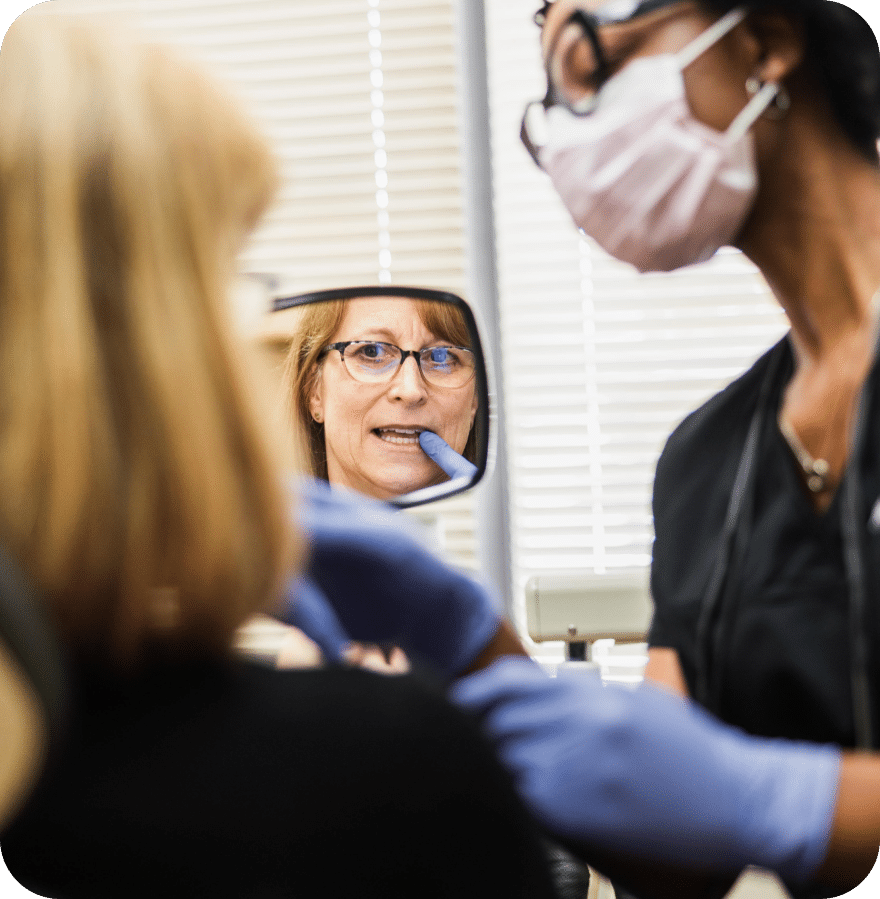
[815, 483]
[817, 475]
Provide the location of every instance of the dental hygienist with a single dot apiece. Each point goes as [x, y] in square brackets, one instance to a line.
[673, 129]
[637, 776]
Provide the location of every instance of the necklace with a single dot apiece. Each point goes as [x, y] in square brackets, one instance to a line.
[816, 471]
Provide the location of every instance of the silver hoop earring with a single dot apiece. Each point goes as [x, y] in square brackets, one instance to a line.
[780, 104]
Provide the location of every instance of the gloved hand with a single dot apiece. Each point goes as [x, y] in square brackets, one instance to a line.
[384, 586]
[619, 768]
[445, 456]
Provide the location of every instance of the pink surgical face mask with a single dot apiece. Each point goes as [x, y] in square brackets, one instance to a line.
[641, 176]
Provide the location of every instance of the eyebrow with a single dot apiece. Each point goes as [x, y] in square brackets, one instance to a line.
[383, 333]
[389, 336]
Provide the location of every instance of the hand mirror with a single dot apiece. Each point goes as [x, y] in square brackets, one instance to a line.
[387, 390]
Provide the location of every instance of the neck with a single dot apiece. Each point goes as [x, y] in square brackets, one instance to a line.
[815, 235]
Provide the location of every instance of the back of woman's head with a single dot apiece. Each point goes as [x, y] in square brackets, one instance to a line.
[138, 488]
[842, 56]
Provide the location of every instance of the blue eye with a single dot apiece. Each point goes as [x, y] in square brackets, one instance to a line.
[441, 359]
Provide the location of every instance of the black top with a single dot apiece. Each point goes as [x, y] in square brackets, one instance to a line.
[242, 781]
[783, 657]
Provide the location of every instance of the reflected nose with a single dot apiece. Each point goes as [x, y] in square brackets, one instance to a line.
[408, 385]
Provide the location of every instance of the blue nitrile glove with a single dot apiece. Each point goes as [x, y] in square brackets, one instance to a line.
[307, 608]
[445, 456]
[386, 587]
[621, 768]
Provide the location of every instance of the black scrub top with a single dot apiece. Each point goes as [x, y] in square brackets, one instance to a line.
[783, 656]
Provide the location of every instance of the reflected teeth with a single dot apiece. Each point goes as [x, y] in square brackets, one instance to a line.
[399, 435]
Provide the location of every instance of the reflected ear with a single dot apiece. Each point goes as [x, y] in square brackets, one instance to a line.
[314, 391]
[474, 406]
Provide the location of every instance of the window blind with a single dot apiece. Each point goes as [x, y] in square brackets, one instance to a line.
[359, 98]
[599, 362]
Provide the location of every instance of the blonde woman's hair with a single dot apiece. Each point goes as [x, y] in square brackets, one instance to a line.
[138, 487]
[315, 328]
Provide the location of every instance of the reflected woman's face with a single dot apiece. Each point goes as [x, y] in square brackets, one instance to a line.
[371, 430]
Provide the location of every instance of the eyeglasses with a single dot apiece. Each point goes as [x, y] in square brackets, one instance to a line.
[579, 98]
[376, 362]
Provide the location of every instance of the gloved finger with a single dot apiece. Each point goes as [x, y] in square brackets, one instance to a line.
[307, 608]
[455, 465]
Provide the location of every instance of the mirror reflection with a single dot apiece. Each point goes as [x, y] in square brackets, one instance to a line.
[385, 386]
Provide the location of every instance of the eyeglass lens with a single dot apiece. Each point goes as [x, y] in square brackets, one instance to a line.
[377, 362]
[576, 50]
[576, 65]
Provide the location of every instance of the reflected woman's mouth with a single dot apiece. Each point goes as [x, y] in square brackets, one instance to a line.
[399, 436]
